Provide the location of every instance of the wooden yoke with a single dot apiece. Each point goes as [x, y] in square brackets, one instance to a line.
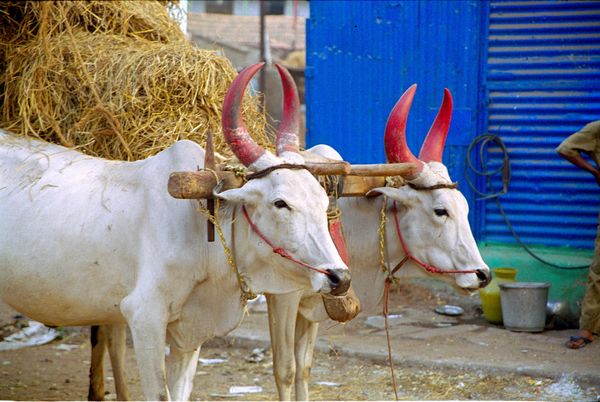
[358, 180]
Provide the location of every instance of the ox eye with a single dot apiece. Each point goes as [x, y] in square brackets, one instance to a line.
[281, 204]
[441, 212]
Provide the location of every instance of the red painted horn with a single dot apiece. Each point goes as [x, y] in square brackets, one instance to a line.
[287, 136]
[236, 134]
[433, 146]
[396, 148]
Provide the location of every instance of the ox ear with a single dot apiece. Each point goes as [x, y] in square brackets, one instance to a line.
[242, 195]
[404, 195]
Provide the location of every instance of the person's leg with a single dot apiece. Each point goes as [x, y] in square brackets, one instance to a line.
[589, 321]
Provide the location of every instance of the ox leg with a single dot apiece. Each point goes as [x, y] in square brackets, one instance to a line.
[306, 335]
[99, 344]
[282, 312]
[147, 319]
[114, 338]
[181, 365]
[117, 346]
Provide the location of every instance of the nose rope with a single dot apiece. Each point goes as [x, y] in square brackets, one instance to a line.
[280, 250]
[410, 256]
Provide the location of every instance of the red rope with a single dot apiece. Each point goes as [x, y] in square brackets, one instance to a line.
[279, 250]
[427, 267]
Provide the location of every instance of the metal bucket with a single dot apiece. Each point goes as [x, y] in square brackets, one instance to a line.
[524, 305]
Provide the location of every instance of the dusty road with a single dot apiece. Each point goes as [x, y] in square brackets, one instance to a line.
[437, 358]
[47, 373]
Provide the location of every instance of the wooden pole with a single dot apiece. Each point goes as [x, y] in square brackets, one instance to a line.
[358, 179]
[209, 163]
[382, 169]
[358, 186]
[329, 168]
[191, 185]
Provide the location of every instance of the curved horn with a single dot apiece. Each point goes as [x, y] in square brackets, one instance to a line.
[287, 135]
[236, 134]
[433, 146]
[396, 149]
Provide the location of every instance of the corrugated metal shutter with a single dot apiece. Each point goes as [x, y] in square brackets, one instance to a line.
[543, 83]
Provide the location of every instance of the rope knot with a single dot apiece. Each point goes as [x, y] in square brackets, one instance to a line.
[280, 251]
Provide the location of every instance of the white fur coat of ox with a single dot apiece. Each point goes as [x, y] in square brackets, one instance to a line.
[88, 241]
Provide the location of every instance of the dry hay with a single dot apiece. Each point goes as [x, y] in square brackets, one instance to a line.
[113, 79]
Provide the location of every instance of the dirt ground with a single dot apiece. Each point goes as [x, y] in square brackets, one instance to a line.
[436, 358]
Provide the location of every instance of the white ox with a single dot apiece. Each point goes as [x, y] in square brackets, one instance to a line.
[432, 223]
[435, 230]
[88, 241]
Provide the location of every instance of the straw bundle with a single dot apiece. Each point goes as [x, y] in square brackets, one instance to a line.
[114, 79]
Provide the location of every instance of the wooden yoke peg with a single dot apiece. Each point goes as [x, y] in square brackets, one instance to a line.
[209, 164]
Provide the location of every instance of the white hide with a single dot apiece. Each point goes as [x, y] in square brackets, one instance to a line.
[445, 242]
[88, 241]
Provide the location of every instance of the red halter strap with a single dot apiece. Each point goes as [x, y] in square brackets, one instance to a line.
[279, 250]
[409, 256]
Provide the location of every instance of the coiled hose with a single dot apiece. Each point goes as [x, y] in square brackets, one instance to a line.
[484, 141]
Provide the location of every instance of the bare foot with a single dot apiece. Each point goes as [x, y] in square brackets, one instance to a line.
[580, 340]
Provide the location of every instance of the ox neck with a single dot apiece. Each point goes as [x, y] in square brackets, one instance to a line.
[368, 277]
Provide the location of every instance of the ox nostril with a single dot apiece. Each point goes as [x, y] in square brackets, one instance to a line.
[484, 278]
[339, 280]
[333, 278]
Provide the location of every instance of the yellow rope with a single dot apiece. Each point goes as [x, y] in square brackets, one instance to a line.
[382, 222]
[390, 181]
[394, 181]
[386, 292]
[330, 184]
[333, 213]
[247, 293]
[382, 258]
[238, 169]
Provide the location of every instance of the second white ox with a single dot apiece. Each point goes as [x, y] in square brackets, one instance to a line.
[427, 234]
[89, 241]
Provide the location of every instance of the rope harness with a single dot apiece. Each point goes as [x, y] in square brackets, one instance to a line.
[278, 250]
[247, 293]
[408, 256]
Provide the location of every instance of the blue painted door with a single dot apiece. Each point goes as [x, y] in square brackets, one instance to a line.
[361, 57]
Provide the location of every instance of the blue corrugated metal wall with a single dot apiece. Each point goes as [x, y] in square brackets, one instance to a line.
[540, 83]
[543, 83]
[362, 55]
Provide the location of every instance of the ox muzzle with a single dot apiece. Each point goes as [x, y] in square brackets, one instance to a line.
[339, 281]
[484, 278]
